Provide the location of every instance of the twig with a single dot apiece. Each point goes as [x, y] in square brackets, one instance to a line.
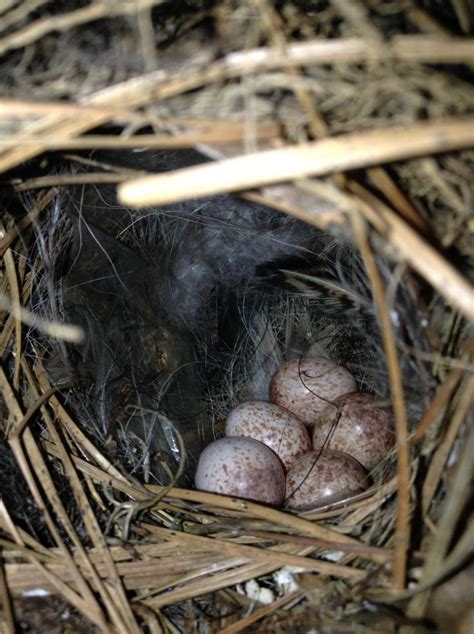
[41, 203]
[260, 613]
[423, 20]
[419, 254]
[10, 400]
[5, 598]
[18, 14]
[78, 436]
[92, 610]
[66, 21]
[86, 598]
[90, 178]
[402, 524]
[400, 202]
[18, 428]
[149, 567]
[14, 306]
[270, 555]
[162, 84]
[436, 467]
[61, 587]
[454, 505]
[433, 50]
[112, 594]
[23, 109]
[67, 332]
[203, 585]
[438, 404]
[218, 135]
[360, 550]
[349, 151]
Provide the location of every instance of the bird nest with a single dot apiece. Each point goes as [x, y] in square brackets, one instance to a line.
[352, 118]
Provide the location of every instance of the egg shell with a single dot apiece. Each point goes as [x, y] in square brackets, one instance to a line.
[323, 477]
[354, 425]
[273, 426]
[306, 386]
[241, 467]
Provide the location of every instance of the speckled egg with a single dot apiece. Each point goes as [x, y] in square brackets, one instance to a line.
[306, 386]
[323, 477]
[274, 426]
[241, 467]
[354, 425]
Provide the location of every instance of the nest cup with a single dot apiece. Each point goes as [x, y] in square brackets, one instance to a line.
[186, 309]
[189, 309]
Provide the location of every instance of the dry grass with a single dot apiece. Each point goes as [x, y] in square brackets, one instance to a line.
[168, 547]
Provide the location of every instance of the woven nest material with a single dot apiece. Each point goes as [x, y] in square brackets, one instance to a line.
[355, 118]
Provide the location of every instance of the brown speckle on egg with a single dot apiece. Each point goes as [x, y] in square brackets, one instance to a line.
[272, 425]
[356, 426]
[306, 386]
[241, 467]
[323, 477]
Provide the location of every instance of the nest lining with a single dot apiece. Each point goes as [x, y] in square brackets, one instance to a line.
[227, 542]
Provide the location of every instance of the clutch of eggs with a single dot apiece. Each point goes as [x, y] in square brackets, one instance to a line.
[265, 440]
